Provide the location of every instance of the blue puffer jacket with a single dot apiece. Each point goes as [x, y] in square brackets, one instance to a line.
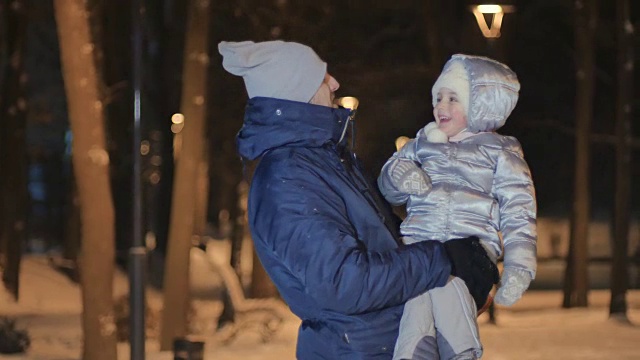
[320, 233]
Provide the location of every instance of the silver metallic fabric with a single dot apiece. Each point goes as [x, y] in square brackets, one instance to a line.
[481, 186]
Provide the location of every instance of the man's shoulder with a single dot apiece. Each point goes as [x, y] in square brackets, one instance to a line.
[290, 163]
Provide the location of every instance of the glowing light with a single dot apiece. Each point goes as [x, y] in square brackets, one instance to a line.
[154, 178]
[177, 118]
[156, 160]
[145, 147]
[496, 12]
[348, 102]
[401, 141]
[150, 240]
[489, 9]
[177, 128]
[178, 123]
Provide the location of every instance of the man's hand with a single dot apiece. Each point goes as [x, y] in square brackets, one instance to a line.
[513, 284]
[409, 178]
[470, 262]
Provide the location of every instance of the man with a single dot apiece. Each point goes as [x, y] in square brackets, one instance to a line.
[321, 230]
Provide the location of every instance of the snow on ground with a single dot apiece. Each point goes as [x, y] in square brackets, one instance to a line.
[536, 328]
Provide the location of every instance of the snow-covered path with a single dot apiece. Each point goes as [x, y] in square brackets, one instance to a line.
[536, 328]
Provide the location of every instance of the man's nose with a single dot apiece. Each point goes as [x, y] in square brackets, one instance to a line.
[334, 85]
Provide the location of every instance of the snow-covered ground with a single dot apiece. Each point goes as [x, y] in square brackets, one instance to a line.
[536, 328]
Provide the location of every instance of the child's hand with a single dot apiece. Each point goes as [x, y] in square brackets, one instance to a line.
[513, 284]
[410, 179]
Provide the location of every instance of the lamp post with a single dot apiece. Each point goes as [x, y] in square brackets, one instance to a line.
[496, 11]
[138, 251]
[491, 29]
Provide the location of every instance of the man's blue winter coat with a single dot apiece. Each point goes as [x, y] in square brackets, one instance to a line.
[319, 230]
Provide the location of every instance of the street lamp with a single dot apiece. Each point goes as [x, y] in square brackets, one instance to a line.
[496, 12]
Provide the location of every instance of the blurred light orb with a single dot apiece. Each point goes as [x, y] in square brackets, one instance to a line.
[150, 240]
[177, 118]
[348, 102]
[154, 178]
[145, 147]
[401, 142]
[156, 160]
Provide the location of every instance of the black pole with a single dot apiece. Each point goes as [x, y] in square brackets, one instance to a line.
[137, 253]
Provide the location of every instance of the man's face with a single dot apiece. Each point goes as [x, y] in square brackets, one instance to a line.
[449, 112]
[326, 92]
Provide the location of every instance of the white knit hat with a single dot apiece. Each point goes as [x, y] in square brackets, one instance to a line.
[454, 77]
[276, 69]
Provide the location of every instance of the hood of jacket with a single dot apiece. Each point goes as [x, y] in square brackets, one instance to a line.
[272, 123]
[493, 89]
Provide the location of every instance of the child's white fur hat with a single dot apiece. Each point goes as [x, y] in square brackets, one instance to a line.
[454, 77]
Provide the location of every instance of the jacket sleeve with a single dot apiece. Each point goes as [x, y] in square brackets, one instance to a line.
[306, 226]
[386, 184]
[513, 187]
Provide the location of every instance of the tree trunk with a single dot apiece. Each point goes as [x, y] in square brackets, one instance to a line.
[624, 105]
[171, 66]
[91, 170]
[431, 32]
[586, 15]
[202, 199]
[4, 40]
[113, 37]
[567, 286]
[176, 275]
[261, 284]
[72, 231]
[13, 152]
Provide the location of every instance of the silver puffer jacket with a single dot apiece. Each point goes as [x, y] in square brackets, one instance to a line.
[481, 185]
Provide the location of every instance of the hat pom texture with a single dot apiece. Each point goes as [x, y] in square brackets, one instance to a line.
[434, 134]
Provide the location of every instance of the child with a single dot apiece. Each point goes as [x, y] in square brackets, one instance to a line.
[459, 178]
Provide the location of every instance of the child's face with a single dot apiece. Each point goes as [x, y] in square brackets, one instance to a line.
[449, 112]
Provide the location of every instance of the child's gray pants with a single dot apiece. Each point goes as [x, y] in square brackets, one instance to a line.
[442, 321]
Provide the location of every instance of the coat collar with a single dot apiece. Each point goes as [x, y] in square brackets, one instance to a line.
[271, 123]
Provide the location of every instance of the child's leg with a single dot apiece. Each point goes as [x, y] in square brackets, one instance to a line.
[417, 336]
[454, 313]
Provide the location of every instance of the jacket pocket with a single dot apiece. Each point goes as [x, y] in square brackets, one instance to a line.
[375, 335]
